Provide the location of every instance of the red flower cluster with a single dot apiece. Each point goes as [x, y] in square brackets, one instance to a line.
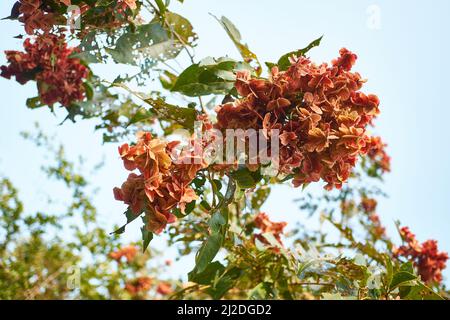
[47, 61]
[138, 285]
[428, 260]
[36, 15]
[263, 223]
[129, 252]
[377, 154]
[41, 15]
[161, 186]
[320, 112]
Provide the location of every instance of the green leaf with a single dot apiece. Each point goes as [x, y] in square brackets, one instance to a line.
[207, 252]
[169, 112]
[419, 292]
[224, 283]
[389, 269]
[216, 276]
[259, 197]
[218, 226]
[167, 80]
[229, 195]
[407, 267]
[403, 278]
[161, 6]
[262, 291]
[130, 217]
[303, 267]
[180, 29]
[89, 89]
[163, 110]
[235, 36]
[87, 57]
[210, 76]
[245, 178]
[147, 236]
[351, 270]
[147, 41]
[208, 275]
[189, 207]
[283, 63]
[218, 220]
[141, 115]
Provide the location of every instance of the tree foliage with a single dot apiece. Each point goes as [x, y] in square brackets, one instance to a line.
[208, 210]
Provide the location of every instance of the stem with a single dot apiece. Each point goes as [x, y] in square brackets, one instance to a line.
[214, 189]
[185, 45]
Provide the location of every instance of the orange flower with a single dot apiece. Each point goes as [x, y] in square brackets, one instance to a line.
[318, 140]
[138, 285]
[130, 3]
[368, 204]
[129, 252]
[263, 223]
[132, 193]
[162, 186]
[149, 156]
[164, 288]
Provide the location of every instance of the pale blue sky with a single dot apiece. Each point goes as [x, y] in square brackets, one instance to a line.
[405, 60]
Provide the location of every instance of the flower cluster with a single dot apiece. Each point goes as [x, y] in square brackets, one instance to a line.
[129, 252]
[48, 61]
[428, 260]
[263, 223]
[36, 15]
[377, 154]
[319, 110]
[138, 285]
[161, 184]
[43, 15]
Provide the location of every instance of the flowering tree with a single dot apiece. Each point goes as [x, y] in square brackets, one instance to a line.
[206, 145]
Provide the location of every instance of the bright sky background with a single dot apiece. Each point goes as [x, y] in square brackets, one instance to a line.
[403, 49]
